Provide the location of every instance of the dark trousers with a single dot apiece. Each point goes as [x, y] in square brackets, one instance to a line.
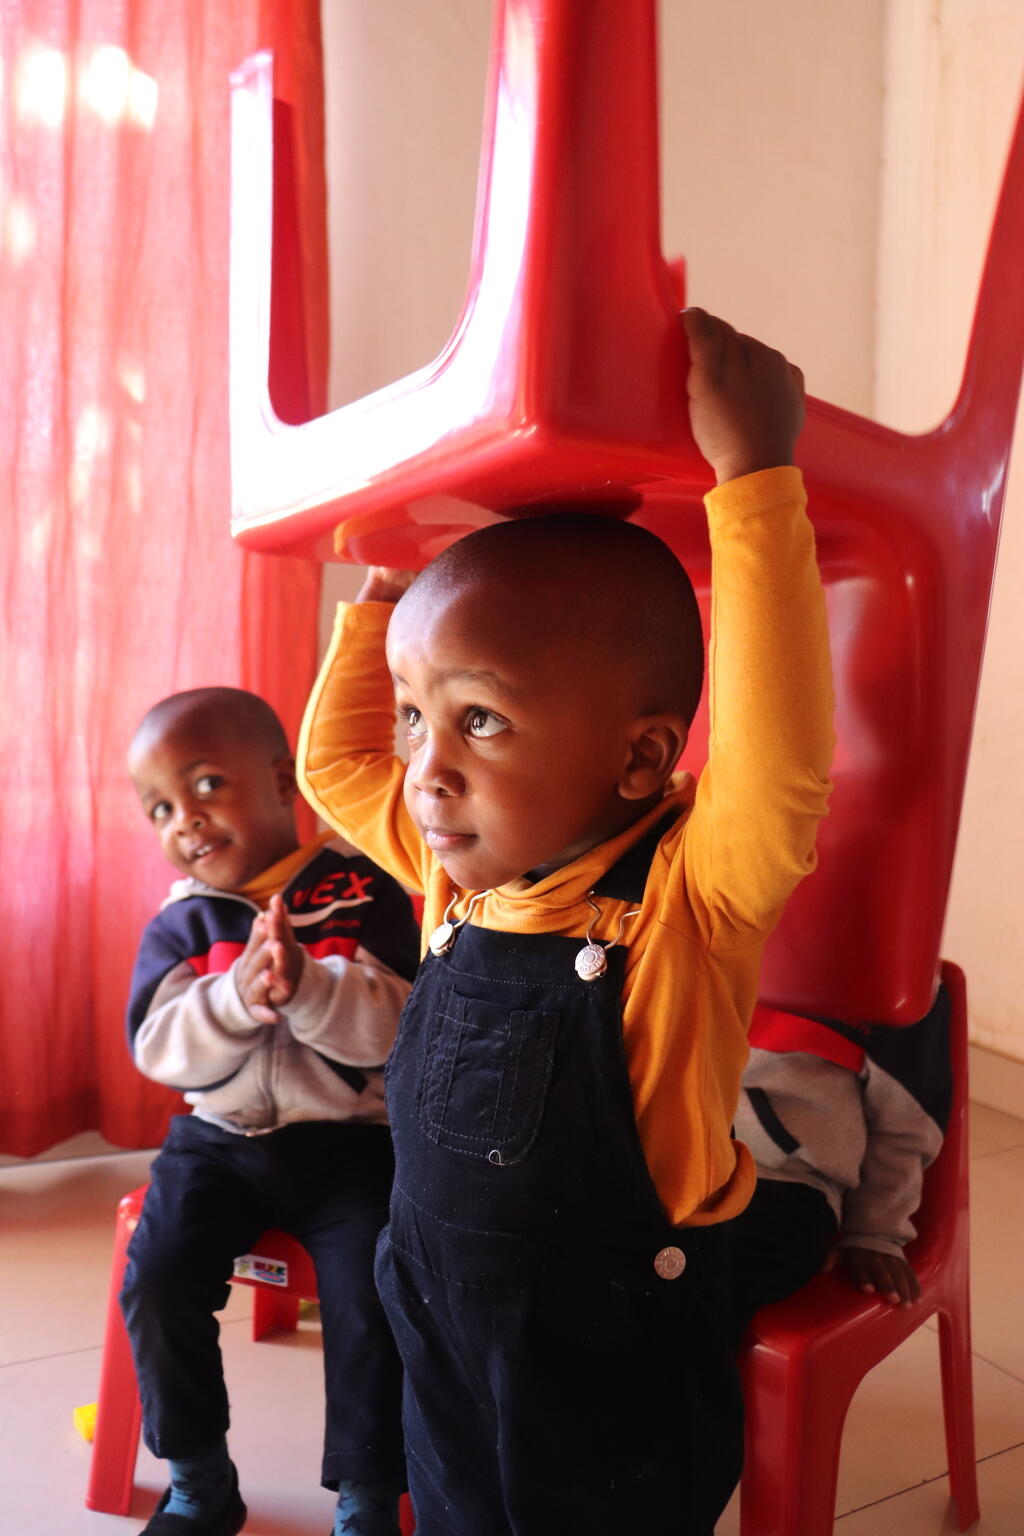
[776, 1245]
[584, 1404]
[211, 1194]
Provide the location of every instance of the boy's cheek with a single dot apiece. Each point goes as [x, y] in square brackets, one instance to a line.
[409, 793]
[168, 848]
[172, 853]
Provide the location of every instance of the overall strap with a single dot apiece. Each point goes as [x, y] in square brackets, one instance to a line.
[627, 879]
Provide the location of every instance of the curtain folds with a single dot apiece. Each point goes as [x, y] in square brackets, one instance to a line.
[120, 582]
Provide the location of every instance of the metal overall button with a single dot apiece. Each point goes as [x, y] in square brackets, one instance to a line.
[590, 962]
[670, 1263]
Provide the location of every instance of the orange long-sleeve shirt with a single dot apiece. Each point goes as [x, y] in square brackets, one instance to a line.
[722, 872]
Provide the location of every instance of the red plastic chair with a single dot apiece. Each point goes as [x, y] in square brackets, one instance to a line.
[803, 1358]
[563, 380]
[281, 1273]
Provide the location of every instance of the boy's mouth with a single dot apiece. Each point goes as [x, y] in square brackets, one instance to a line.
[205, 849]
[440, 840]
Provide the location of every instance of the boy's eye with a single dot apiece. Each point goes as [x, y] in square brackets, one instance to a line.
[414, 724]
[481, 722]
[208, 783]
[160, 811]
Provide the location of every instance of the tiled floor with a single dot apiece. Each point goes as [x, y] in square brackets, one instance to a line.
[56, 1225]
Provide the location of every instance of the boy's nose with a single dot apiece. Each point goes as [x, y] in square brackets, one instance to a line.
[189, 817]
[433, 775]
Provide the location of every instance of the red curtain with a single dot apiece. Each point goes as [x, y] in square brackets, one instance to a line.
[120, 581]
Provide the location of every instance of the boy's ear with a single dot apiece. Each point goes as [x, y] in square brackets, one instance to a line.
[287, 783]
[656, 745]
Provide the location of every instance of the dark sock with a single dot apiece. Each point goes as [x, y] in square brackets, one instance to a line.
[367, 1509]
[200, 1485]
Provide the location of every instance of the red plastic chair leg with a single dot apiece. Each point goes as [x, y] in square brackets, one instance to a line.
[793, 1441]
[958, 1412]
[272, 1311]
[119, 1419]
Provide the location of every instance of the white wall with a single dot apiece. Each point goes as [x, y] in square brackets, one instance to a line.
[404, 103]
[954, 75]
[771, 151]
[828, 170]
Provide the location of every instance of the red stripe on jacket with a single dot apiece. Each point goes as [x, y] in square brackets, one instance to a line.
[222, 955]
[773, 1030]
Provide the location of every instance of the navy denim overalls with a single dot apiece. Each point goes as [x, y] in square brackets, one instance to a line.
[557, 1381]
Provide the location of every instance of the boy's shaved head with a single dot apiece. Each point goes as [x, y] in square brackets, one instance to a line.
[245, 716]
[216, 778]
[612, 591]
[547, 669]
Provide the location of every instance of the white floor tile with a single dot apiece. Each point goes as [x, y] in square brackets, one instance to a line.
[56, 1244]
[997, 1261]
[992, 1131]
[927, 1511]
[56, 1234]
[56, 1240]
[894, 1436]
[276, 1391]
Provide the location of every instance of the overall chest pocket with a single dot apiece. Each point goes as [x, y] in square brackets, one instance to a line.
[486, 1073]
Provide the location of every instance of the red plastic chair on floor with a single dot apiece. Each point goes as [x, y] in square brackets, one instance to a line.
[281, 1273]
[804, 1357]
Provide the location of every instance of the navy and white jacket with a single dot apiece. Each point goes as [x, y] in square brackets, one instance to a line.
[323, 1059]
[857, 1111]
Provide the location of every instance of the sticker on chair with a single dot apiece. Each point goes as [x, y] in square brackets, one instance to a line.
[253, 1266]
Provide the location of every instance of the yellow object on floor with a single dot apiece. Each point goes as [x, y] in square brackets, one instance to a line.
[85, 1420]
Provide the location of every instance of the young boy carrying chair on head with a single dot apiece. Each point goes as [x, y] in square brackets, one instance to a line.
[562, 1088]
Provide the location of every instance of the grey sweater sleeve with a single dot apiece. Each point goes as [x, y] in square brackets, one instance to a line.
[347, 1009]
[197, 1032]
[862, 1133]
[901, 1141]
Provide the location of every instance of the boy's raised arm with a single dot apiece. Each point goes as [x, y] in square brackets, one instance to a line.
[765, 787]
[347, 767]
